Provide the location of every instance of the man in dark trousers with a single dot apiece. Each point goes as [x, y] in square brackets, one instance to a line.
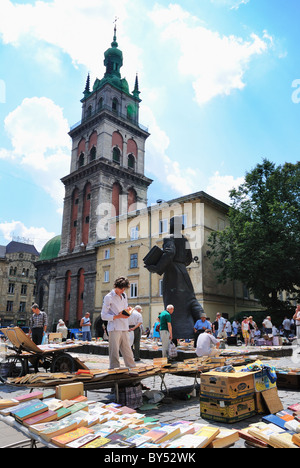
[38, 324]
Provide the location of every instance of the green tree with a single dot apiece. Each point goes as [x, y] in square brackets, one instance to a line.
[261, 245]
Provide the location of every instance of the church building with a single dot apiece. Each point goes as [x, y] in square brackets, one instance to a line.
[106, 180]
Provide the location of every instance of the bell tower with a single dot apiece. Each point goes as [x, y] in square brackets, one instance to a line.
[108, 157]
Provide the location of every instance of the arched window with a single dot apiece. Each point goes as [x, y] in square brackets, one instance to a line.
[74, 216]
[89, 112]
[116, 155]
[115, 105]
[130, 112]
[131, 200]
[81, 160]
[67, 296]
[131, 161]
[86, 213]
[116, 193]
[80, 293]
[93, 154]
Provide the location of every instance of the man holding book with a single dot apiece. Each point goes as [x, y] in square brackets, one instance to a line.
[114, 312]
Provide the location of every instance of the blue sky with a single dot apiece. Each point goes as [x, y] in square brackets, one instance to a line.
[219, 82]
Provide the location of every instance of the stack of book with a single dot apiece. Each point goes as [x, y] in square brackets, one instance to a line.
[89, 424]
[280, 430]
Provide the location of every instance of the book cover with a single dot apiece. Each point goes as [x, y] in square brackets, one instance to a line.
[79, 399]
[127, 410]
[53, 404]
[39, 428]
[116, 444]
[137, 440]
[272, 418]
[104, 429]
[12, 410]
[296, 439]
[29, 396]
[225, 438]
[47, 416]
[30, 411]
[293, 425]
[263, 434]
[127, 432]
[251, 440]
[97, 443]
[8, 403]
[63, 412]
[58, 428]
[189, 441]
[116, 436]
[156, 434]
[64, 439]
[127, 312]
[283, 440]
[82, 406]
[295, 407]
[208, 431]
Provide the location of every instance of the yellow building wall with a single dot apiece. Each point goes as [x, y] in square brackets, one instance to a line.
[201, 218]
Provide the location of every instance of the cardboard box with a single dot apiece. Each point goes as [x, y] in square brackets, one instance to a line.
[262, 381]
[228, 411]
[55, 337]
[69, 391]
[227, 386]
[291, 380]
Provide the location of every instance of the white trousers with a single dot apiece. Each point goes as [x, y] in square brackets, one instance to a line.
[119, 342]
[165, 342]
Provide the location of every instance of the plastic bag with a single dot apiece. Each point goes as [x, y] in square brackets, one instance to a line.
[45, 339]
[172, 352]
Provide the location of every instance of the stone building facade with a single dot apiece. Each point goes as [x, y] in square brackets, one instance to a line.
[17, 282]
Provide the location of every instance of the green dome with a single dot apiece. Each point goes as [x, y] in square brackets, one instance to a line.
[51, 249]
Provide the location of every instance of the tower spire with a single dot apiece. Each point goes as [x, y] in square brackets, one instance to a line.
[87, 90]
[136, 91]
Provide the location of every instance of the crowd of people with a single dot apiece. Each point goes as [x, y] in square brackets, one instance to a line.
[124, 327]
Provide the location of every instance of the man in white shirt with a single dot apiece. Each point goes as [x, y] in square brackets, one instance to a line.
[267, 324]
[135, 323]
[207, 344]
[114, 304]
[296, 317]
[221, 326]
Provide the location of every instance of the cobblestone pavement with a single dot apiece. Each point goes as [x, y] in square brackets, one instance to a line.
[176, 405]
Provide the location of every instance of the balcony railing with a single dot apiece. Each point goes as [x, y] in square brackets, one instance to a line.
[113, 112]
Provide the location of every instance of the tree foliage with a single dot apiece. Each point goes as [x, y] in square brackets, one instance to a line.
[261, 245]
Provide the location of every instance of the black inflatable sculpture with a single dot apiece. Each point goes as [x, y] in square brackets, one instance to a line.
[177, 286]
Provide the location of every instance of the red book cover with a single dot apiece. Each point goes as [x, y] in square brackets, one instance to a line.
[41, 418]
[29, 396]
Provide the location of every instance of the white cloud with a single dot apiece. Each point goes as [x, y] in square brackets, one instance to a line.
[40, 142]
[38, 236]
[232, 4]
[181, 179]
[216, 64]
[81, 29]
[220, 185]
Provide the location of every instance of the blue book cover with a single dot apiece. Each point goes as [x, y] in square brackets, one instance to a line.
[271, 418]
[30, 411]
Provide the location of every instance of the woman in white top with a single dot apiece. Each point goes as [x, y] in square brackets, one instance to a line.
[114, 304]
